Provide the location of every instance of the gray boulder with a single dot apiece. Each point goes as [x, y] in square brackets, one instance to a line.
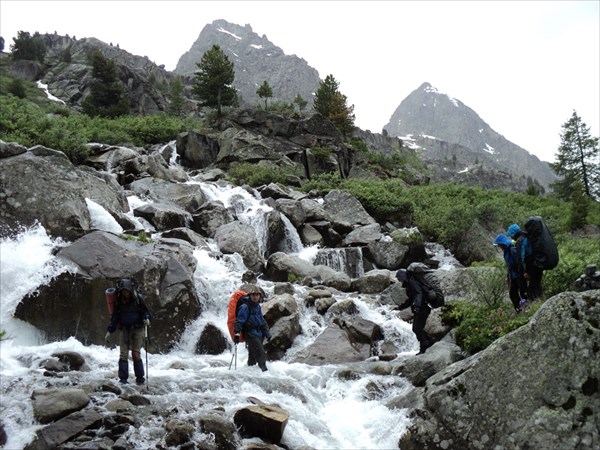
[536, 387]
[210, 217]
[53, 404]
[238, 237]
[346, 211]
[419, 368]
[164, 269]
[163, 216]
[63, 430]
[52, 180]
[188, 197]
[372, 282]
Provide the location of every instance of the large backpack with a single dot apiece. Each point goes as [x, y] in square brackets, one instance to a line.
[543, 247]
[232, 310]
[431, 285]
[112, 293]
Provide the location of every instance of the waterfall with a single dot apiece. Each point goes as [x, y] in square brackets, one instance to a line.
[348, 260]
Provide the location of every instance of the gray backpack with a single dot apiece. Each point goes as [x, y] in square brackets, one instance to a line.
[431, 285]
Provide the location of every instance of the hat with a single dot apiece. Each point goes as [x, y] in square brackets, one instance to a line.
[401, 275]
[253, 289]
[501, 239]
[126, 284]
[513, 230]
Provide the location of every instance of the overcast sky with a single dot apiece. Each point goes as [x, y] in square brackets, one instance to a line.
[522, 66]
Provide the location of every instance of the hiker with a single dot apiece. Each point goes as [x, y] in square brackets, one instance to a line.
[130, 315]
[512, 270]
[250, 321]
[517, 236]
[419, 307]
[536, 251]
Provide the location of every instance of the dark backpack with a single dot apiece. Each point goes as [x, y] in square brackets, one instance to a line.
[543, 248]
[429, 282]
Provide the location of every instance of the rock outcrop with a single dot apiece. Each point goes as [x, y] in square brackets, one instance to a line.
[536, 387]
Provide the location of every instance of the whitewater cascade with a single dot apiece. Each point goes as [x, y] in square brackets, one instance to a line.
[326, 411]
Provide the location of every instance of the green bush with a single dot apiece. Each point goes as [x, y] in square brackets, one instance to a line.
[257, 175]
[574, 254]
[477, 326]
[55, 127]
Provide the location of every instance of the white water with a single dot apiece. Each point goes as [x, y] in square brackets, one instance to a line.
[325, 411]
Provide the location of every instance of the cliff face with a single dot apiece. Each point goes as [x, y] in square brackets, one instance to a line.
[68, 73]
[445, 128]
[255, 60]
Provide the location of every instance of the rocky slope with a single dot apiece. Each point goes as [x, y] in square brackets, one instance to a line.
[453, 137]
[256, 59]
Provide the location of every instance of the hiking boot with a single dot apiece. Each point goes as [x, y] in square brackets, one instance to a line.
[123, 381]
[139, 381]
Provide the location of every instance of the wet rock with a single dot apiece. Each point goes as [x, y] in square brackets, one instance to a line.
[267, 422]
[52, 404]
[65, 429]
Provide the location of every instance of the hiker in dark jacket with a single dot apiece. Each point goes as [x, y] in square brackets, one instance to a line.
[130, 315]
[250, 321]
[419, 307]
[517, 237]
[531, 274]
[512, 270]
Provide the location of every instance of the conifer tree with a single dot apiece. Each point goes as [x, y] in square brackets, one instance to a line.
[28, 47]
[324, 95]
[331, 103]
[106, 98]
[298, 100]
[265, 91]
[177, 98]
[214, 80]
[577, 159]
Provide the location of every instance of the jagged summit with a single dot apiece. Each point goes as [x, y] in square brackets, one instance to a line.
[445, 128]
[255, 59]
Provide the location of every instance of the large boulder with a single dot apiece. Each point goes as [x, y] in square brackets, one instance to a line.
[189, 197]
[74, 304]
[536, 387]
[52, 180]
[346, 211]
[53, 404]
[238, 237]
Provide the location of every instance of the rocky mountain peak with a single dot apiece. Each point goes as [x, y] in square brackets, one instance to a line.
[256, 59]
[444, 128]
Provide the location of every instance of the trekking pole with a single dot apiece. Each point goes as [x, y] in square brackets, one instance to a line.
[146, 346]
[234, 356]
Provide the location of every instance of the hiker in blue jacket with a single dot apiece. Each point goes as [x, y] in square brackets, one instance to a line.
[130, 315]
[512, 269]
[519, 240]
[251, 322]
[419, 307]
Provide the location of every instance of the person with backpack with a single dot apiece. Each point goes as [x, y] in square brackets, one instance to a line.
[512, 270]
[415, 291]
[130, 315]
[537, 252]
[250, 322]
[517, 237]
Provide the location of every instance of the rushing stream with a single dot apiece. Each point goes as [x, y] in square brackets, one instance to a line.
[326, 411]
